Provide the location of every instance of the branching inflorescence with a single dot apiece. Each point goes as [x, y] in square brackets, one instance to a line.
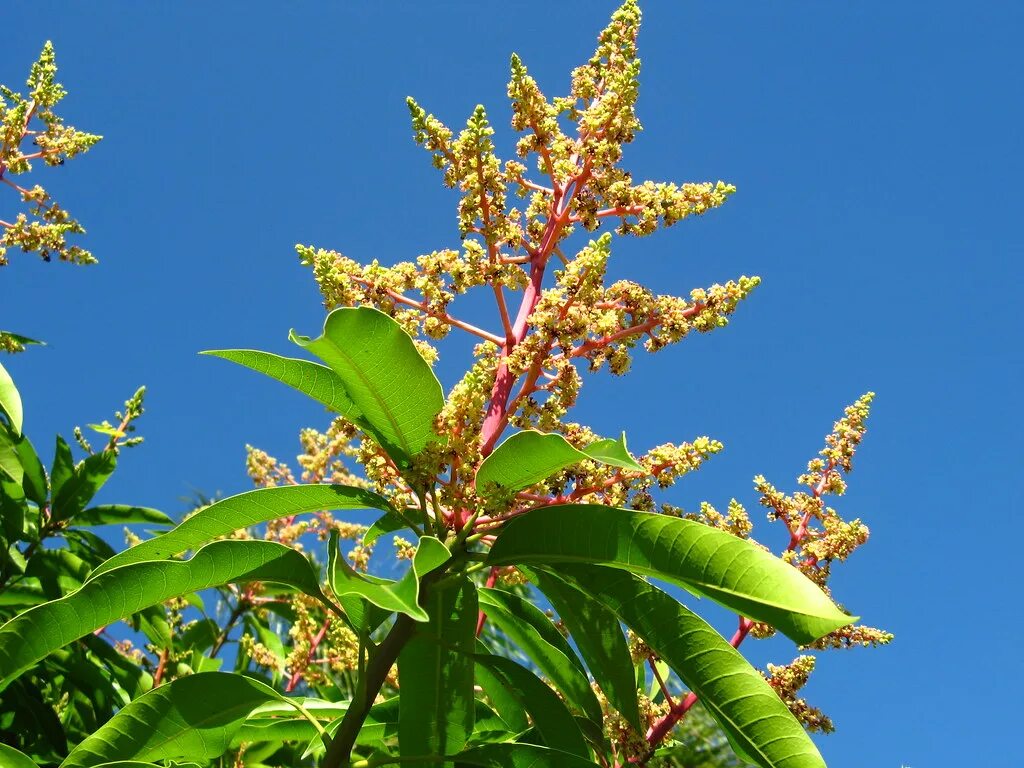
[515, 219]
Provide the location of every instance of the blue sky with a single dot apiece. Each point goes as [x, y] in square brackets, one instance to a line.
[877, 152]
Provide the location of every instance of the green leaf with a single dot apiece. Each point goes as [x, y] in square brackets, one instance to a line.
[121, 514]
[435, 670]
[194, 717]
[520, 756]
[121, 592]
[317, 381]
[402, 596]
[729, 570]
[12, 758]
[34, 482]
[63, 467]
[241, 511]
[528, 457]
[393, 387]
[751, 713]
[10, 462]
[528, 627]
[553, 721]
[507, 705]
[10, 400]
[385, 524]
[86, 480]
[614, 453]
[598, 636]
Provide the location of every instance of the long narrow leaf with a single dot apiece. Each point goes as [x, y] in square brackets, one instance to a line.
[528, 457]
[528, 627]
[121, 592]
[741, 701]
[191, 717]
[435, 671]
[241, 511]
[120, 514]
[10, 400]
[318, 381]
[598, 635]
[553, 721]
[727, 569]
[520, 756]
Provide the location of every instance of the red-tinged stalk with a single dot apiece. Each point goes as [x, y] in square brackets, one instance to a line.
[662, 727]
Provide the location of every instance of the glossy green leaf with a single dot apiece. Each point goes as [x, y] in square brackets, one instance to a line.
[435, 671]
[528, 627]
[384, 524]
[614, 453]
[12, 758]
[393, 387]
[241, 511]
[10, 400]
[553, 721]
[124, 591]
[729, 570]
[191, 717]
[317, 381]
[10, 462]
[85, 482]
[508, 706]
[63, 467]
[34, 482]
[733, 692]
[121, 514]
[520, 756]
[599, 638]
[141, 764]
[528, 457]
[13, 509]
[402, 595]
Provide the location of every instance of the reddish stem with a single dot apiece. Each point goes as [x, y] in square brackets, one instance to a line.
[657, 733]
[297, 676]
[492, 579]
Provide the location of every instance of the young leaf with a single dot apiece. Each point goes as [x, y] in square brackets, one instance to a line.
[241, 511]
[528, 457]
[121, 592]
[121, 514]
[86, 480]
[63, 467]
[598, 636]
[10, 400]
[435, 670]
[555, 724]
[520, 756]
[727, 569]
[402, 596]
[614, 453]
[191, 717]
[528, 627]
[393, 387]
[756, 720]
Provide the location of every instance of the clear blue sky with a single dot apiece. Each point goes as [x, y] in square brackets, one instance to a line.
[877, 152]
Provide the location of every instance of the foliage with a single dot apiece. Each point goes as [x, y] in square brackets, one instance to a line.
[526, 630]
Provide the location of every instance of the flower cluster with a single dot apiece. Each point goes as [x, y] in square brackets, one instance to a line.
[45, 226]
